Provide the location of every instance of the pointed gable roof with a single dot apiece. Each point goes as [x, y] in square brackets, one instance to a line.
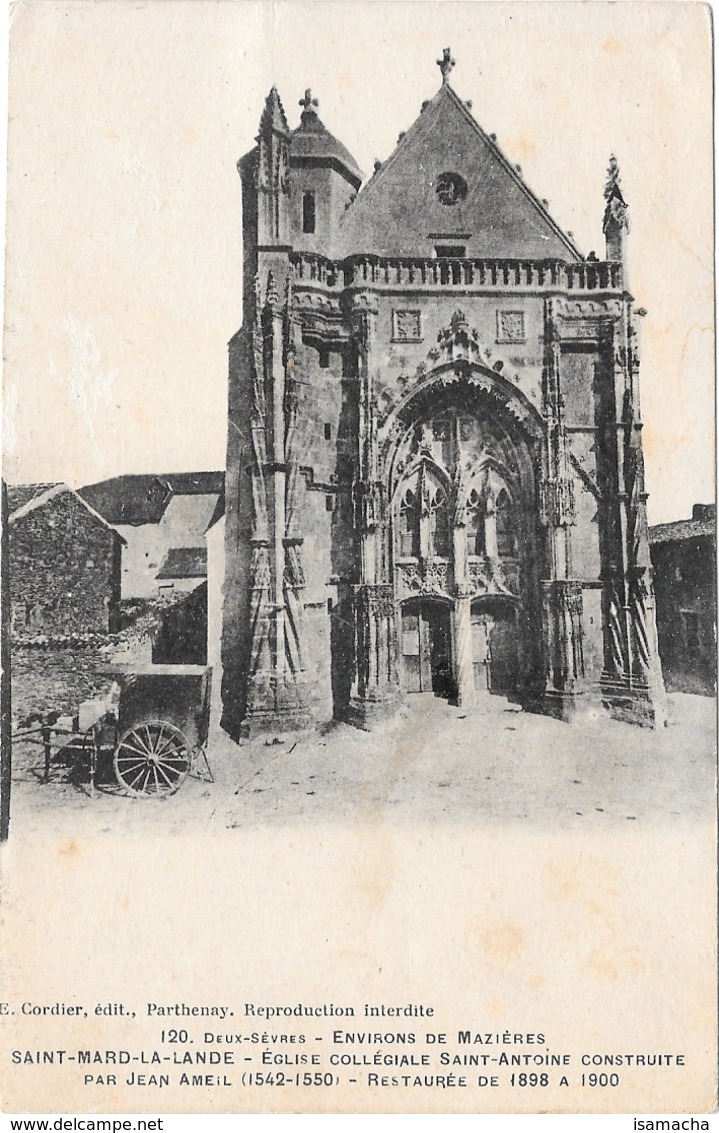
[496, 215]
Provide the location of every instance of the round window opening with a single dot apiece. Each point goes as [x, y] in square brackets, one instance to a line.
[451, 188]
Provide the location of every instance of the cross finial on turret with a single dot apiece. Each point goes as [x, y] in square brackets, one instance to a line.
[446, 63]
[308, 101]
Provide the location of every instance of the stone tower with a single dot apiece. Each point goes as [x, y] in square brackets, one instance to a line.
[434, 478]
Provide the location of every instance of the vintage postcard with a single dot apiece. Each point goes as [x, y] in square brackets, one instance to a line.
[359, 548]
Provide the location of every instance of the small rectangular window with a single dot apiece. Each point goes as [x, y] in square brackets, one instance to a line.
[329, 605]
[328, 431]
[329, 503]
[308, 212]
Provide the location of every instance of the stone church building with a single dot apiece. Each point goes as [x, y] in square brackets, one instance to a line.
[434, 479]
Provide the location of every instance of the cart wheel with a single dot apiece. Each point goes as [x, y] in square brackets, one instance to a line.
[152, 758]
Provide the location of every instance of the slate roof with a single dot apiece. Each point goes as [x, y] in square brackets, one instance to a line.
[184, 562]
[134, 500]
[191, 483]
[312, 141]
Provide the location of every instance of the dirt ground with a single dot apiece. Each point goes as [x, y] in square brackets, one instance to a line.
[434, 764]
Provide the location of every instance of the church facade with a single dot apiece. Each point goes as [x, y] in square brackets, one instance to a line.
[435, 478]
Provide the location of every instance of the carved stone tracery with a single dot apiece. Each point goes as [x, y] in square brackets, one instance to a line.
[423, 578]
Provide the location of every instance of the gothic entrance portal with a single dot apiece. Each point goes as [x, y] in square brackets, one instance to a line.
[464, 548]
[494, 647]
[427, 648]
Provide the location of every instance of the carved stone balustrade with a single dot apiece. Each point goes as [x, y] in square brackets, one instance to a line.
[389, 273]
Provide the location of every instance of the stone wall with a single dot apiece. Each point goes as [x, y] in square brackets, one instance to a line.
[55, 673]
[64, 570]
[55, 678]
[684, 582]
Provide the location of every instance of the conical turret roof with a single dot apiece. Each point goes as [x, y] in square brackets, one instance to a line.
[312, 142]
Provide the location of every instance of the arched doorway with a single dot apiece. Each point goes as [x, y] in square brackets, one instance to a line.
[464, 542]
[495, 647]
[426, 647]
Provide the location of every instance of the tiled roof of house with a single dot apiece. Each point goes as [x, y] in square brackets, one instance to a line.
[43, 494]
[20, 494]
[184, 562]
[702, 523]
[682, 529]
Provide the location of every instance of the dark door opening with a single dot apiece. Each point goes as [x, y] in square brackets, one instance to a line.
[494, 647]
[427, 648]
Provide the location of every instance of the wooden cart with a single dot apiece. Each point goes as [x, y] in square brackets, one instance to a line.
[152, 726]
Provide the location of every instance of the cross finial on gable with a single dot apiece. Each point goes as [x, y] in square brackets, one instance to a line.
[308, 101]
[446, 63]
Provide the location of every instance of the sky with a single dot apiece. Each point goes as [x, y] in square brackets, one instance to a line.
[123, 255]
